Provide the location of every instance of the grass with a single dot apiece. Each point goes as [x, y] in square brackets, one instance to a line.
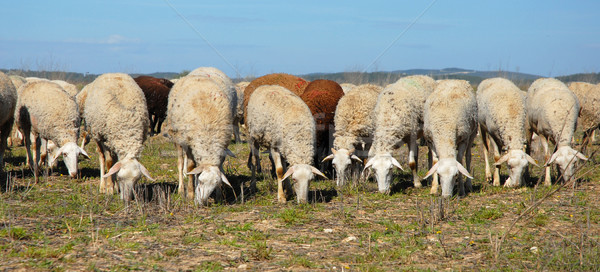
[63, 224]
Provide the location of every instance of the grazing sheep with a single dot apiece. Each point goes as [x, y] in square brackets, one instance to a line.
[238, 120]
[16, 134]
[589, 115]
[354, 128]
[279, 120]
[552, 111]
[67, 87]
[450, 125]
[398, 118]
[502, 116]
[8, 101]
[116, 116]
[227, 85]
[199, 118]
[156, 91]
[46, 112]
[322, 96]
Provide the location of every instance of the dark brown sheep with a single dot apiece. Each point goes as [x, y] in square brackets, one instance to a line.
[156, 91]
[290, 82]
[322, 97]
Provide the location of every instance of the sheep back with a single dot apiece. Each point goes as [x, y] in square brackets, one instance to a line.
[353, 117]
[18, 81]
[116, 114]
[589, 100]
[50, 111]
[199, 116]
[277, 118]
[8, 99]
[322, 96]
[293, 83]
[156, 91]
[67, 87]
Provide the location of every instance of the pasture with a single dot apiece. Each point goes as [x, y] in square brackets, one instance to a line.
[66, 224]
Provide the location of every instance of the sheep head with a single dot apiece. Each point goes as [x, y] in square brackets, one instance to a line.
[128, 172]
[70, 152]
[517, 161]
[208, 177]
[301, 176]
[447, 169]
[383, 165]
[566, 157]
[340, 160]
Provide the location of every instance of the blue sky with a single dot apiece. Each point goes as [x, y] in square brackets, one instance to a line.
[253, 38]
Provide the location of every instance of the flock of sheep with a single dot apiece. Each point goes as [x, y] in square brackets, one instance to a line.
[308, 128]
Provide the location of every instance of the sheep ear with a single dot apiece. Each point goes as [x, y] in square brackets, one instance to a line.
[229, 153]
[502, 160]
[369, 164]
[145, 172]
[531, 160]
[351, 150]
[333, 151]
[396, 163]
[551, 160]
[354, 157]
[431, 171]
[224, 179]
[85, 154]
[114, 169]
[463, 170]
[316, 171]
[288, 172]
[581, 156]
[196, 171]
[328, 158]
[58, 153]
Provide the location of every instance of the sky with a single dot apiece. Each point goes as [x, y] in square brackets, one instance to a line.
[253, 38]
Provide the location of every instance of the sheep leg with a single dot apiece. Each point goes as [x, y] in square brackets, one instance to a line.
[191, 164]
[413, 158]
[547, 177]
[496, 158]
[468, 157]
[36, 144]
[459, 158]
[159, 123]
[236, 132]
[106, 185]
[486, 149]
[435, 183]
[180, 154]
[587, 135]
[281, 197]
[28, 144]
[253, 152]
[6, 130]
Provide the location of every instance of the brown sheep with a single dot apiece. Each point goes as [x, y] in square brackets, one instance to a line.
[322, 97]
[156, 91]
[290, 82]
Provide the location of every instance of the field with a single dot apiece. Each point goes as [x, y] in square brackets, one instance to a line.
[66, 224]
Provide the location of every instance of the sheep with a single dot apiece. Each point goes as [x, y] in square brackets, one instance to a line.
[117, 117]
[45, 111]
[67, 87]
[16, 134]
[156, 91]
[322, 96]
[450, 126]
[589, 115]
[238, 120]
[398, 118]
[293, 83]
[199, 118]
[552, 111]
[280, 121]
[227, 85]
[501, 115]
[8, 101]
[354, 127]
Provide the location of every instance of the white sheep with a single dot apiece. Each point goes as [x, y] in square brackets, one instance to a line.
[450, 124]
[501, 114]
[67, 87]
[238, 120]
[552, 111]
[8, 101]
[280, 121]
[46, 112]
[199, 118]
[80, 100]
[116, 115]
[347, 87]
[221, 78]
[588, 96]
[354, 127]
[398, 118]
[16, 135]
